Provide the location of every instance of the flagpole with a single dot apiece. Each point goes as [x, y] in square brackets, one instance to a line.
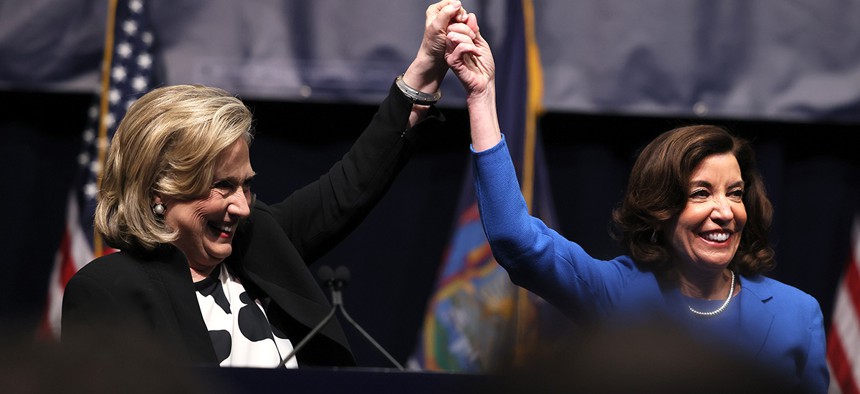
[534, 106]
[104, 101]
[534, 94]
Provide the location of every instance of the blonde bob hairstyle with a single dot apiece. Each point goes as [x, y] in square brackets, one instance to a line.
[167, 145]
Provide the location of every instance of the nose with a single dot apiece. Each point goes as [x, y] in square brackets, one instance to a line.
[240, 202]
[722, 209]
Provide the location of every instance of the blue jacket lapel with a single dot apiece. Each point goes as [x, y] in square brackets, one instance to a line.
[756, 316]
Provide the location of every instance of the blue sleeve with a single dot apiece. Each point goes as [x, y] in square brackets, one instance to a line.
[815, 376]
[535, 256]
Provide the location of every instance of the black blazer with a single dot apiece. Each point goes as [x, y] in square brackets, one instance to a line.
[153, 292]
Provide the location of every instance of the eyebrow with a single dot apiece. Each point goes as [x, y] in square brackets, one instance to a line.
[236, 179]
[707, 184]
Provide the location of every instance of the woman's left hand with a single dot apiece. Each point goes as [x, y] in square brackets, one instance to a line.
[470, 58]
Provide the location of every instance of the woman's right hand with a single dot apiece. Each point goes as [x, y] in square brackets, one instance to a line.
[428, 69]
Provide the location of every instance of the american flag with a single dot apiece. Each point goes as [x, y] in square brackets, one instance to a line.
[843, 340]
[127, 72]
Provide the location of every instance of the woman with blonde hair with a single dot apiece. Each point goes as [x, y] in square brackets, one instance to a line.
[206, 270]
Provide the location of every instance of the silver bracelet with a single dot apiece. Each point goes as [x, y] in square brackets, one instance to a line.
[417, 96]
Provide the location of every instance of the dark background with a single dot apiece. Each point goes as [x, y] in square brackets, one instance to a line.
[811, 171]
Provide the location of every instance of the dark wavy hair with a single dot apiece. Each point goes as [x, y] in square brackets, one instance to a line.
[657, 193]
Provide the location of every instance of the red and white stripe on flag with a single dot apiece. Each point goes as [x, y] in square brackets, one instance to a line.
[843, 340]
[128, 45]
[75, 251]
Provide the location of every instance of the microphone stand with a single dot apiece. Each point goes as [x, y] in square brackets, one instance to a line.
[309, 336]
[367, 336]
[337, 281]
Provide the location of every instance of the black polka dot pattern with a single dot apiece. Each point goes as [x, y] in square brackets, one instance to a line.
[252, 321]
[238, 327]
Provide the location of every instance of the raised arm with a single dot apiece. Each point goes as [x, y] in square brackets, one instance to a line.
[321, 214]
[535, 256]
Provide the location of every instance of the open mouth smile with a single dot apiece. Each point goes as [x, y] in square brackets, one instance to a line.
[716, 236]
[223, 230]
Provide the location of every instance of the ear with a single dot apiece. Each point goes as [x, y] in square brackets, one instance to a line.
[156, 199]
[655, 233]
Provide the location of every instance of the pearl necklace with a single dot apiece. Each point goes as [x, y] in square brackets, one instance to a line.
[722, 307]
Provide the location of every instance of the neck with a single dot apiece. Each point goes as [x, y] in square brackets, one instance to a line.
[197, 276]
[708, 285]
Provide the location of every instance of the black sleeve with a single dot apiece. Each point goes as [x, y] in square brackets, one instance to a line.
[319, 215]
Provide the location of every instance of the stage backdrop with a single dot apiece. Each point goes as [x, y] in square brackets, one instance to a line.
[616, 72]
[763, 59]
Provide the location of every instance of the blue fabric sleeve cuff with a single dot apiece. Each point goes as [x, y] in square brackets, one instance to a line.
[497, 147]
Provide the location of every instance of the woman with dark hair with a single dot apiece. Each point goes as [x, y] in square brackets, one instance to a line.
[657, 193]
[694, 222]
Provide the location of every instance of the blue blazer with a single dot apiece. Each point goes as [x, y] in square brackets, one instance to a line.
[779, 325]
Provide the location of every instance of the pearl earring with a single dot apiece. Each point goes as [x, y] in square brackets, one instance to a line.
[158, 209]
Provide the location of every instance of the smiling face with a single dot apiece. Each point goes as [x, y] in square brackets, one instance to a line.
[206, 225]
[707, 233]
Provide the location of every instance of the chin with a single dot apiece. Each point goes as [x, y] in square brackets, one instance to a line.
[720, 263]
[220, 253]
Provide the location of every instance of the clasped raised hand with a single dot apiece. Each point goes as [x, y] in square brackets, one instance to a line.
[469, 57]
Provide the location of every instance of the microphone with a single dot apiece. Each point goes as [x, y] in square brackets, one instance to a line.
[336, 280]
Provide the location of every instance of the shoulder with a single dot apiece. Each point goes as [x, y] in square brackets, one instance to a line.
[116, 270]
[762, 283]
[774, 292]
[621, 272]
[110, 264]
